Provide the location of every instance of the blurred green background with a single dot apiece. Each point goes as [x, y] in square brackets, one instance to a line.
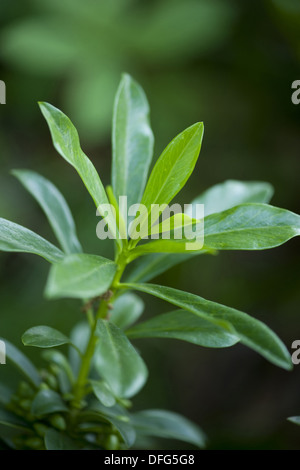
[229, 64]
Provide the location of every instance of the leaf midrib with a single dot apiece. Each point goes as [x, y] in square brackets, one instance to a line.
[243, 229]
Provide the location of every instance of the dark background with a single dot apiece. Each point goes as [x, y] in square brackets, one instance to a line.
[229, 64]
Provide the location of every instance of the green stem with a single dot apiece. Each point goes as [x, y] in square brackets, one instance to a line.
[79, 388]
[80, 385]
[90, 317]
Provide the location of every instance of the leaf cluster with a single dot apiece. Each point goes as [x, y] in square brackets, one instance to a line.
[83, 396]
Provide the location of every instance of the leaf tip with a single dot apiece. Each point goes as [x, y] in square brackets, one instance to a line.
[285, 362]
[15, 172]
[199, 126]
[45, 107]
[125, 76]
[18, 172]
[41, 104]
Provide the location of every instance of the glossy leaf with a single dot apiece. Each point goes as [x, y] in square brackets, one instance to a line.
[220, 197]
[47, 401]
[55, 207]
[14, 237]
[176, 223]
[22, 363]
[117, 361]
[244, 227]
[250, 331]
[66, 141]
[126, 431]
[44, 337]
[132, 141]
[126, 310]
[178, 246]
[251, 227]
[230, 193]
[184, 326]
[103, 392]
[166, 424]
[80, 276]
[172, 169]
[116, 415]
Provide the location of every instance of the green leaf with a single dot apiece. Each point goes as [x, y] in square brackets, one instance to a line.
[132, 141]
[250, 331]
[66, 141]
[166, 424]
[55, 440]
[177, 246]
[231, 193]
[22, 363]
[103, 392]
[126, 310]
[116, 415]
[80, 276]
[215, 199]
[184, 326]
[244, 227]
[14, 237]
[47, 401]
[294, 419]
[175, 222]
[117, 361]
[44, 337]
[250, 227]
[172, 169]
[125, 430]
[55, 207]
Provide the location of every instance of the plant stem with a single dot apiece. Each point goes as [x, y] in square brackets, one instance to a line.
[80, 385]
[79, 388]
